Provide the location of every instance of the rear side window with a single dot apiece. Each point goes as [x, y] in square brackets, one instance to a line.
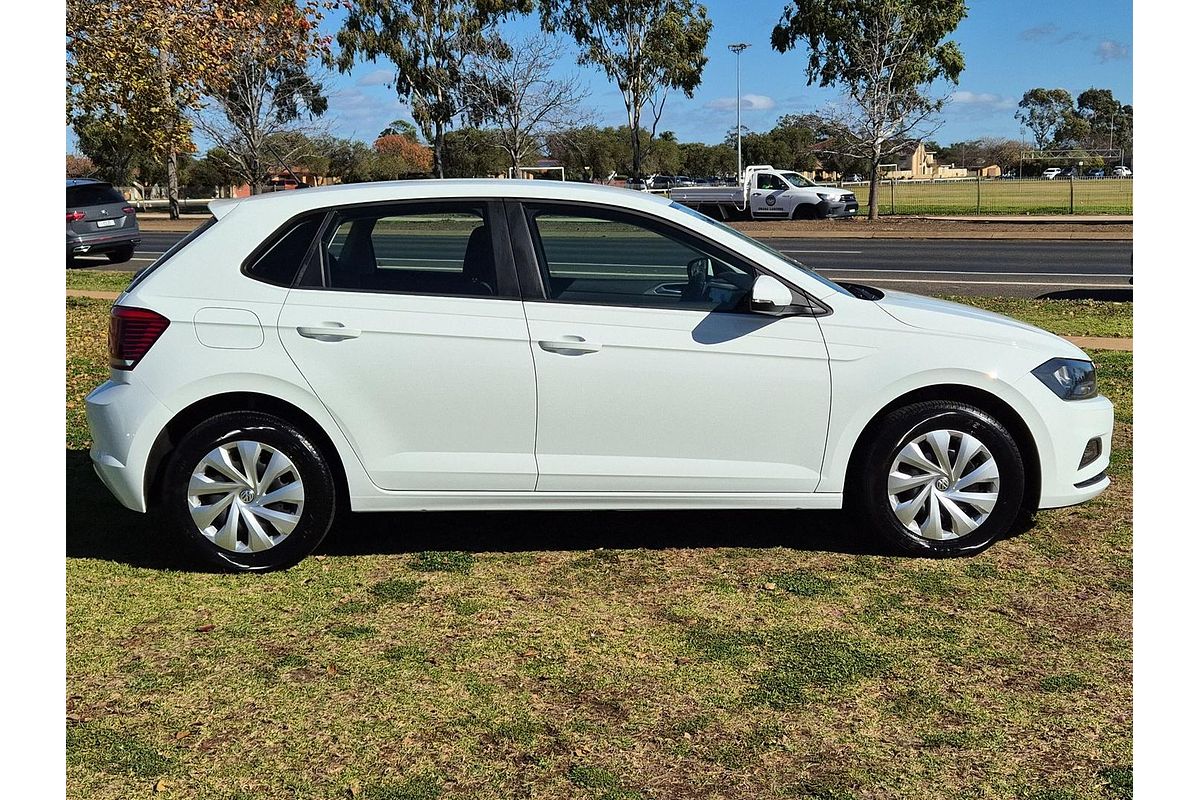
[92, 194]
[280, 262]
[431, 248]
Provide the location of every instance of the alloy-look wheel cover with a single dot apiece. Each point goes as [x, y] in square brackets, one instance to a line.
[245, 496]
[943, 484]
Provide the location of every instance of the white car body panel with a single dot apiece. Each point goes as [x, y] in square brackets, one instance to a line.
[678, 400]
[378, 385]
[749, 411]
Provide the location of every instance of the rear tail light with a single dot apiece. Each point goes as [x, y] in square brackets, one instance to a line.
[131, 334]
[75, 216]
[129, 209]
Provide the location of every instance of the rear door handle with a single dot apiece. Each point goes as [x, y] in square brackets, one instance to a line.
[328, 332]
[569, 346]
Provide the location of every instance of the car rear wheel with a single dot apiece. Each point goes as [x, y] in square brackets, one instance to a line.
[248, 492]
[120, 255]
[940, 479]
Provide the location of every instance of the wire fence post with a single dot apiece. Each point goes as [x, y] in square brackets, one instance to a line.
[978, 193]
[893, 196]
[1071, 209]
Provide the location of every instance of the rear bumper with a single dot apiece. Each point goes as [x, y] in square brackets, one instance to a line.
[124, 419]
[87, 244]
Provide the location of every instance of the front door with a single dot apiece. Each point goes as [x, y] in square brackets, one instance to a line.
[766, 199]
[652, 375]
[417, 344]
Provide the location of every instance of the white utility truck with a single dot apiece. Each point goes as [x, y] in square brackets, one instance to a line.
[769, 193]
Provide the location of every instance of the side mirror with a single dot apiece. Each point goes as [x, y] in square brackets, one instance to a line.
[770, 296]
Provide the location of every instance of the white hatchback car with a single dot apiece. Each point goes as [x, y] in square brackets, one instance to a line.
[490, 344]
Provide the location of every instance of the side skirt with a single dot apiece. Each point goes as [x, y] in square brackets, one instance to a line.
[583, 501]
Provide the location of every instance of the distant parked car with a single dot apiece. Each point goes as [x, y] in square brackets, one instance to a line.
[854, 178]
[1122, 171]
[1095, 173]
[1052, 173]
[661, 183]
[683, 180]
[100, 221]
[1010, 175]
[636, 184]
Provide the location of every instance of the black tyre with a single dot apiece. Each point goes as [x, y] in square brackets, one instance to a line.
[939, 479]
[120, 255]
[806, 211]
[248, 491]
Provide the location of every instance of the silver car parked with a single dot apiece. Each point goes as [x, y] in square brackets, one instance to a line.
[100, 221]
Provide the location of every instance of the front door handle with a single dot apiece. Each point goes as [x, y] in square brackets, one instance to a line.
[569, 346]
[328, 332]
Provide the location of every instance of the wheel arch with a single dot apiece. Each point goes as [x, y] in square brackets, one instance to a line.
[971, 395]
[190, 416]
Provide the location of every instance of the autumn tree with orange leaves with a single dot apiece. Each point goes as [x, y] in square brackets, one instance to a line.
[146, 66]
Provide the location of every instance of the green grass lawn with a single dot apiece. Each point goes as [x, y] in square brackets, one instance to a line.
[98, 280]
[599, 656]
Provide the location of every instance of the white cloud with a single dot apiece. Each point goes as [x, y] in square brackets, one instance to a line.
[984, 101]
[750, 102]
[1108, 50]
[1039, 32]
[379, 77]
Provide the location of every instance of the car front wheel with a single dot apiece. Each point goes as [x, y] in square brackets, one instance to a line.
[940, 479]
[248, 492]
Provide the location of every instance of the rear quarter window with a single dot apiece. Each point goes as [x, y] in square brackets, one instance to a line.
[285, 253]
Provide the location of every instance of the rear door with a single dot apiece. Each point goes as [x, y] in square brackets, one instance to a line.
[410, 329]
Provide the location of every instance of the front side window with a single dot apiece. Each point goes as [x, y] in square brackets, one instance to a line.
[610, 258]
[438, 249]
[771, 182]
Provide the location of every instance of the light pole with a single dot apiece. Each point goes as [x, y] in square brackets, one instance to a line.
[737, 51]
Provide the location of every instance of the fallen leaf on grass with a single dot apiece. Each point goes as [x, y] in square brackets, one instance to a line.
[205, 628]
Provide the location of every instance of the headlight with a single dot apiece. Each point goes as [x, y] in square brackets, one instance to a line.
[1069, 378]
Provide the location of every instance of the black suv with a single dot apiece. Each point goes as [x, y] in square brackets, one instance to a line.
[99, 221]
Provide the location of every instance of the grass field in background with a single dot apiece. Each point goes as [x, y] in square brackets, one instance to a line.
[598, 656]
[956, 198]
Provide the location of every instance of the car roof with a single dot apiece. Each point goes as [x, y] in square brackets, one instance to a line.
[296, 201]
[85, 182]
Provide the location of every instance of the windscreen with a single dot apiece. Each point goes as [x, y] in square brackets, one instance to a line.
[92, 194]
[796, 179]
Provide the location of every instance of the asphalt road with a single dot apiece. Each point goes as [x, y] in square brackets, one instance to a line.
[1018, 268]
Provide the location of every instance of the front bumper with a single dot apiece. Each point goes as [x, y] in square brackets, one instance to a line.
[1074, 424]
[838, 209]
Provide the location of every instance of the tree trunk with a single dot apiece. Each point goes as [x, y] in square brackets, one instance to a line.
[439, 140]
[173, 184]
[873, 202]
[635, 144]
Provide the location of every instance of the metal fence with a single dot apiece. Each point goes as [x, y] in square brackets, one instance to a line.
[1001, 196]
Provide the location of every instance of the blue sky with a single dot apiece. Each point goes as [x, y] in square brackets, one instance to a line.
[1010, 46]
